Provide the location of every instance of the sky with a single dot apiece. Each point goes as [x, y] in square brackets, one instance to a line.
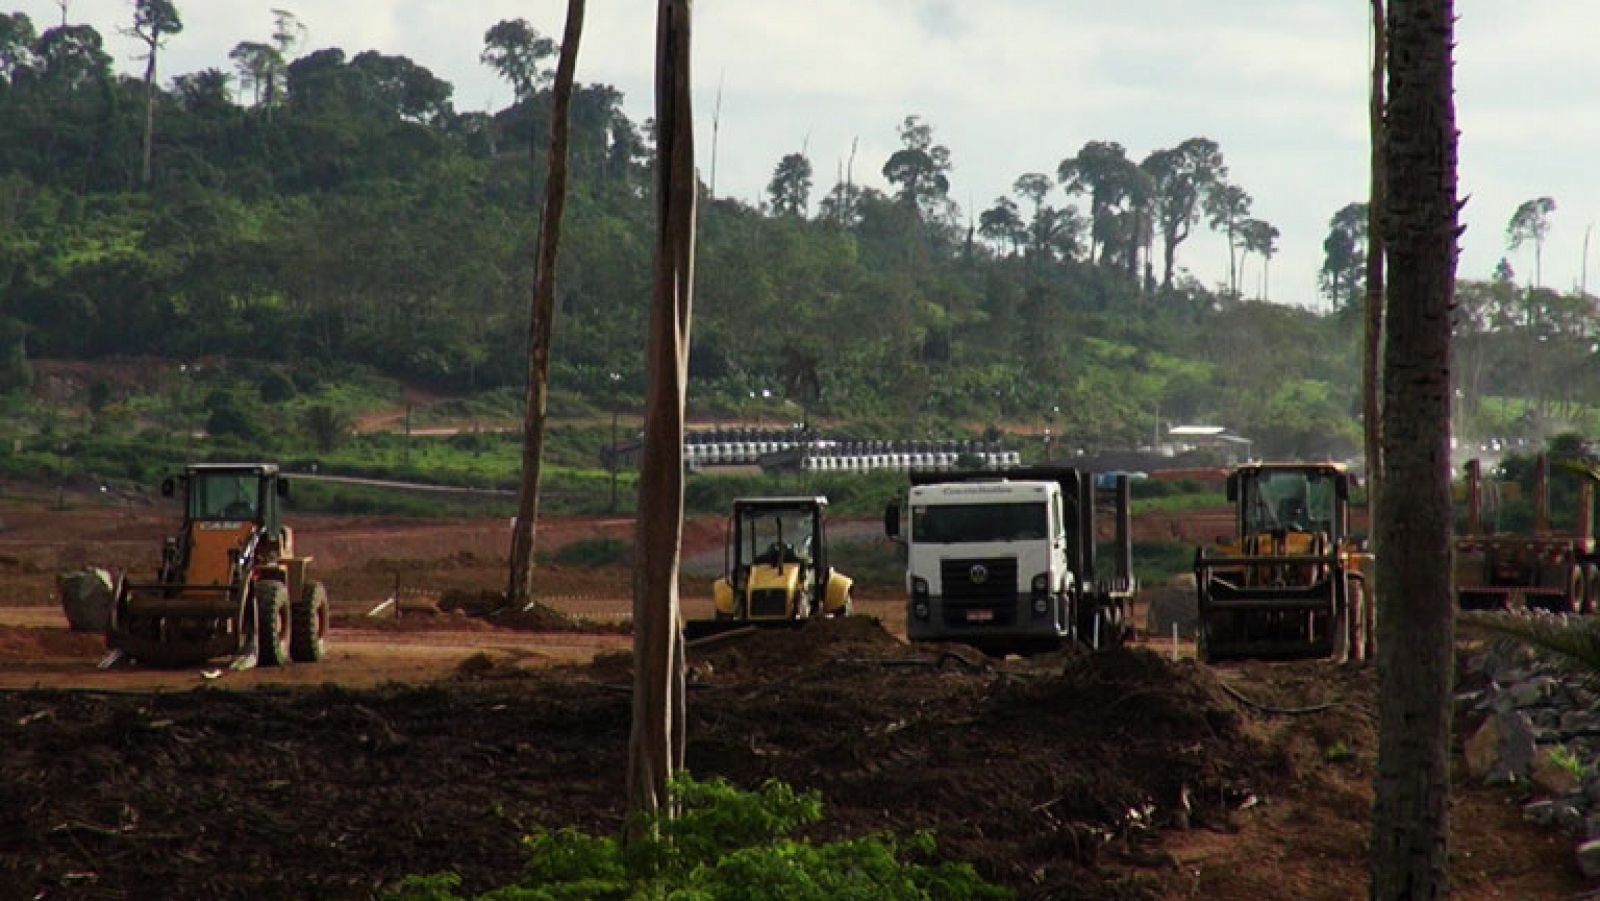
[1016, 86]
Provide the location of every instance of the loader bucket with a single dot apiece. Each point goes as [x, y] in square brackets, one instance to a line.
[177, 626]
[1278, 621]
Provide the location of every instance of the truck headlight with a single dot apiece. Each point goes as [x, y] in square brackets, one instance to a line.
[1041, 584]
[919, 587]
[920, 609]
[1041, 606]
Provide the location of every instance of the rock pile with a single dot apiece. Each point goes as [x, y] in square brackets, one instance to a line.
[1533, 720]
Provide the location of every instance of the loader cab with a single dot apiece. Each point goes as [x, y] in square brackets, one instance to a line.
[1273, 498]
[776, 532]
[224, 493]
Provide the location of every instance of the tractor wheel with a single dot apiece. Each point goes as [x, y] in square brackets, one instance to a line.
[1577, 588]
[272, 623]
[308, 644]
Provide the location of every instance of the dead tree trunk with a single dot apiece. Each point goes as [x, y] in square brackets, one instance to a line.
[1410, 831]
[1371, 377]
[655, 746]
[541, 318]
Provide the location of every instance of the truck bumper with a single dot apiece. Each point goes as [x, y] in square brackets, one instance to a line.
[1013, 619]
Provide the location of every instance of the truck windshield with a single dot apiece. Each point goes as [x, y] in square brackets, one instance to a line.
[960, 523]
[224, 496]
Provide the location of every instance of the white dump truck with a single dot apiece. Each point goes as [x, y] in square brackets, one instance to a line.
[1006, 562]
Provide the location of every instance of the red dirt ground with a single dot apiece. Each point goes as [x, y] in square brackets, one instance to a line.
[387, 760]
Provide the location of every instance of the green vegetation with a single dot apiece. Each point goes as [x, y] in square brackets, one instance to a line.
[298, 246]
[726, 844]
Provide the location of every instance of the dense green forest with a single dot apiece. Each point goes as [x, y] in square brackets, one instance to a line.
[326, 212]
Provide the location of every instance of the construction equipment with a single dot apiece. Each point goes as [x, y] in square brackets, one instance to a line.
[775, 568]
[229, 582]
[1549, 569]
[1005, 562]
[1292, 583]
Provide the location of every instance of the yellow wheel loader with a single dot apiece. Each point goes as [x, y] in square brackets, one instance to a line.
[775, 568]
[229, 583]
[1292, 583]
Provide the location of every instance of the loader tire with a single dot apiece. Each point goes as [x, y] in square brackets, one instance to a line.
[1591, 590]
[308, 642]
[273, 620]
[1357, 618]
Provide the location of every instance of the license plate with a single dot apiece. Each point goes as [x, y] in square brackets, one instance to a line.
[980, 616]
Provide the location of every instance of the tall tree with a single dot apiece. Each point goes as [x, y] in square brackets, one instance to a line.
[153, 22]
[1344, 256]
[1531, 222]
[516, 51]
[541, 319]
[655, 745]
[790, 188]
[1259, 237]
[920, 167]
[1050, 231]
[16, 45]
[70, 57]
[1227, 205]
[1002, 224]
[1372, 349]
[1103, 171]
[1410, 831]
[259, 66]
[1179, 179]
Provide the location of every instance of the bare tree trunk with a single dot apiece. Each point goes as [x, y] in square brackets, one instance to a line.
[541, 318]
[1372, 360]
[149, 105]
[655, 746]
[1410, 814]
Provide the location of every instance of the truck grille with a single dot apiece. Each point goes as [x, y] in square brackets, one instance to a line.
[769, 602]
[987, 580]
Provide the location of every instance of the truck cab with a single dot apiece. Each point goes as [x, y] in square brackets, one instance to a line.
[1005, 564]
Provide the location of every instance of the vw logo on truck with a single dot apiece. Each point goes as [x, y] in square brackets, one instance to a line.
[979, 574]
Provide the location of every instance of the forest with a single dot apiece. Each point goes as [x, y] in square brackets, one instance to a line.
[325, 212]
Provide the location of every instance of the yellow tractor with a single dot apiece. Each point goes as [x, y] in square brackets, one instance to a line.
[775, 568]
[1292, 583]
[229, 582]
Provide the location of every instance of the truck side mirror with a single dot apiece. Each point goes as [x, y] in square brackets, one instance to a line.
[283, 488]
[1233, 487]
[891, 519]
[168, 487]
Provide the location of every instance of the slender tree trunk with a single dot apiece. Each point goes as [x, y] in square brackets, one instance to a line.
[541, 319]
[149, 105]
[655, 746]
[1371, 377]
[1168, 259]
[1410, 814]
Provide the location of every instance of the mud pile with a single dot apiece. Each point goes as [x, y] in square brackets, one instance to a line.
[1028, 769]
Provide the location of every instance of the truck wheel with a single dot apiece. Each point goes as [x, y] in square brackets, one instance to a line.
[308, 643]
[272, 623]
[1591, 589]
[1576, 589]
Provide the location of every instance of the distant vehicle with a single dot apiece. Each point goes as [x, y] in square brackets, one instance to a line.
[1548, 569]
[1006, 562]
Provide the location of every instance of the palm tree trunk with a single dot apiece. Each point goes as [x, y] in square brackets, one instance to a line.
[655, 745]
[1415, 659]
[1371, 370]
[541, 318]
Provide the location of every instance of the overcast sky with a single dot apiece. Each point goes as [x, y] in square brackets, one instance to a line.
[1014, 86]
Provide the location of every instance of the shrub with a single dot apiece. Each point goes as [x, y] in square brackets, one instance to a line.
[726, 844]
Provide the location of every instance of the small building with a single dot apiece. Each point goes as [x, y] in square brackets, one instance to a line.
[1212, 441]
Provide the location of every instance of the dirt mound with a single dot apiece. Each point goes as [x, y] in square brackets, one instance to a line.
[767, 649]
[490, 607]
[26, 644]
